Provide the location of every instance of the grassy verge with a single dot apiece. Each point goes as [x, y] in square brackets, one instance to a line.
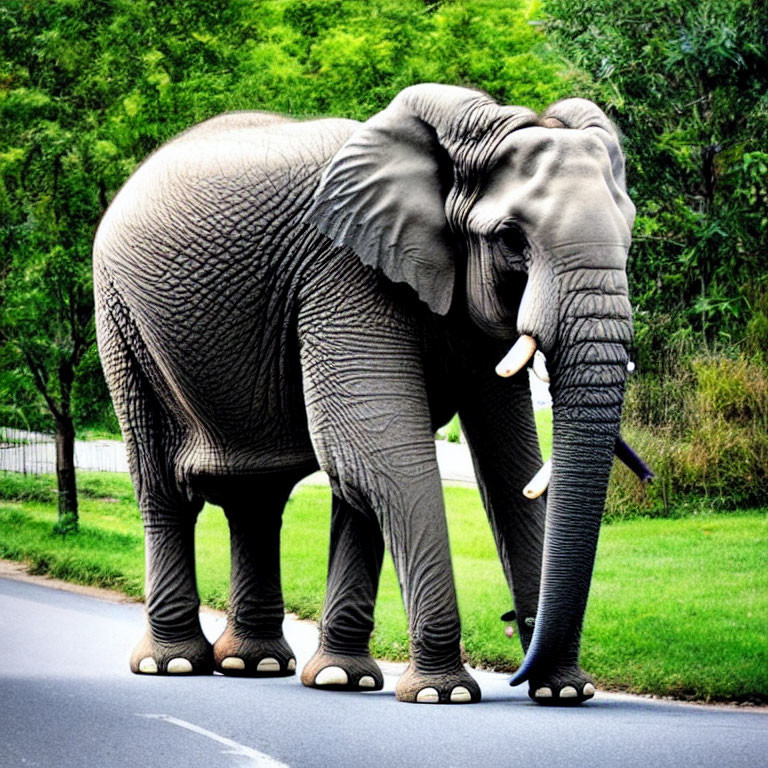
[678, 607]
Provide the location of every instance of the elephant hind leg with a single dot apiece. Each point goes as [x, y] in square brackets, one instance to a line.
[252, 645]
[343, 660]
[174, 642]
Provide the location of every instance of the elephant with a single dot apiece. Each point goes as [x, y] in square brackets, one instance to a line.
[277, 295]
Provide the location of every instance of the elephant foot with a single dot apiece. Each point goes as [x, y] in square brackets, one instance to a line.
[334, 672]
[454, 687]
[244, 656]
[183, 657]
[564, 688]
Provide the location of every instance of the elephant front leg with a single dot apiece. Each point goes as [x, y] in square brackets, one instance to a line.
[409, 507]
[413, 518]
[343, 661]
[497, 418]
[252, 645]
[369, 419]
[419, 545]
[174, 642]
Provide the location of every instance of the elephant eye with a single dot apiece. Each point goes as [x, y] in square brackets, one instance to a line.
[513, 238]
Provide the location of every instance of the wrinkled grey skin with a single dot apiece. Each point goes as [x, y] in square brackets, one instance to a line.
[273, 295]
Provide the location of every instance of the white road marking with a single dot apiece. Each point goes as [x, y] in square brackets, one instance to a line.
[260, 759]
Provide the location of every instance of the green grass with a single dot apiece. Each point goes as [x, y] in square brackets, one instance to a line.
[544, 428]
[108, 551]
[681, 606]
[678, 607]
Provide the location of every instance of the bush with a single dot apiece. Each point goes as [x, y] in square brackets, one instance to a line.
[704, 432]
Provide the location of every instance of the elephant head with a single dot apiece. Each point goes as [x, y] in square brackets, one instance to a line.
[529, 216]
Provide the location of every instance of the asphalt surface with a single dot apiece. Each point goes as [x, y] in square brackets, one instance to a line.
[68, 699]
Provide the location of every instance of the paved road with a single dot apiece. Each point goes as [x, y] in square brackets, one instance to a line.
[67, 699]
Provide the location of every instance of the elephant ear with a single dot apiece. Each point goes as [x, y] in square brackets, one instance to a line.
[383, 196]
[584, 115]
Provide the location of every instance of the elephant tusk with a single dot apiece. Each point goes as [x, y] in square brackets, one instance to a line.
[540, 367]
[539, 482]
[521, 352]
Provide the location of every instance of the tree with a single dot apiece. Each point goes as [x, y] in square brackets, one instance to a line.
[48, 324]
[51, 195]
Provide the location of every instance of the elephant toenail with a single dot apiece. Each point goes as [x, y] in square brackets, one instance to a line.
[331, 676]
[232, 662]
[179, 666]
[291, 665]
[428, 696]
[460, 694]
[589, 690]
[366, 681]
[569, 692]
[268, 665]
[148, 666]
[543, 693]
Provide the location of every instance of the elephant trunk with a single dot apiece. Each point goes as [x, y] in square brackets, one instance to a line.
[587, 367]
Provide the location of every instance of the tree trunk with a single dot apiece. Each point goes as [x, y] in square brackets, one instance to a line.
[65, 474]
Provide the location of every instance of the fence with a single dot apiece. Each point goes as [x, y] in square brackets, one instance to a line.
[34, 453]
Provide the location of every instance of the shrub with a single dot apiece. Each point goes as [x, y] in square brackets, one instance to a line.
[704, 432]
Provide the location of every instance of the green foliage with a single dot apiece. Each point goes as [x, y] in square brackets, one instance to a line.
[20, 404]
[451, 431]
[687, 83]
[90, 397]
[90, 87]
[756, 336]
